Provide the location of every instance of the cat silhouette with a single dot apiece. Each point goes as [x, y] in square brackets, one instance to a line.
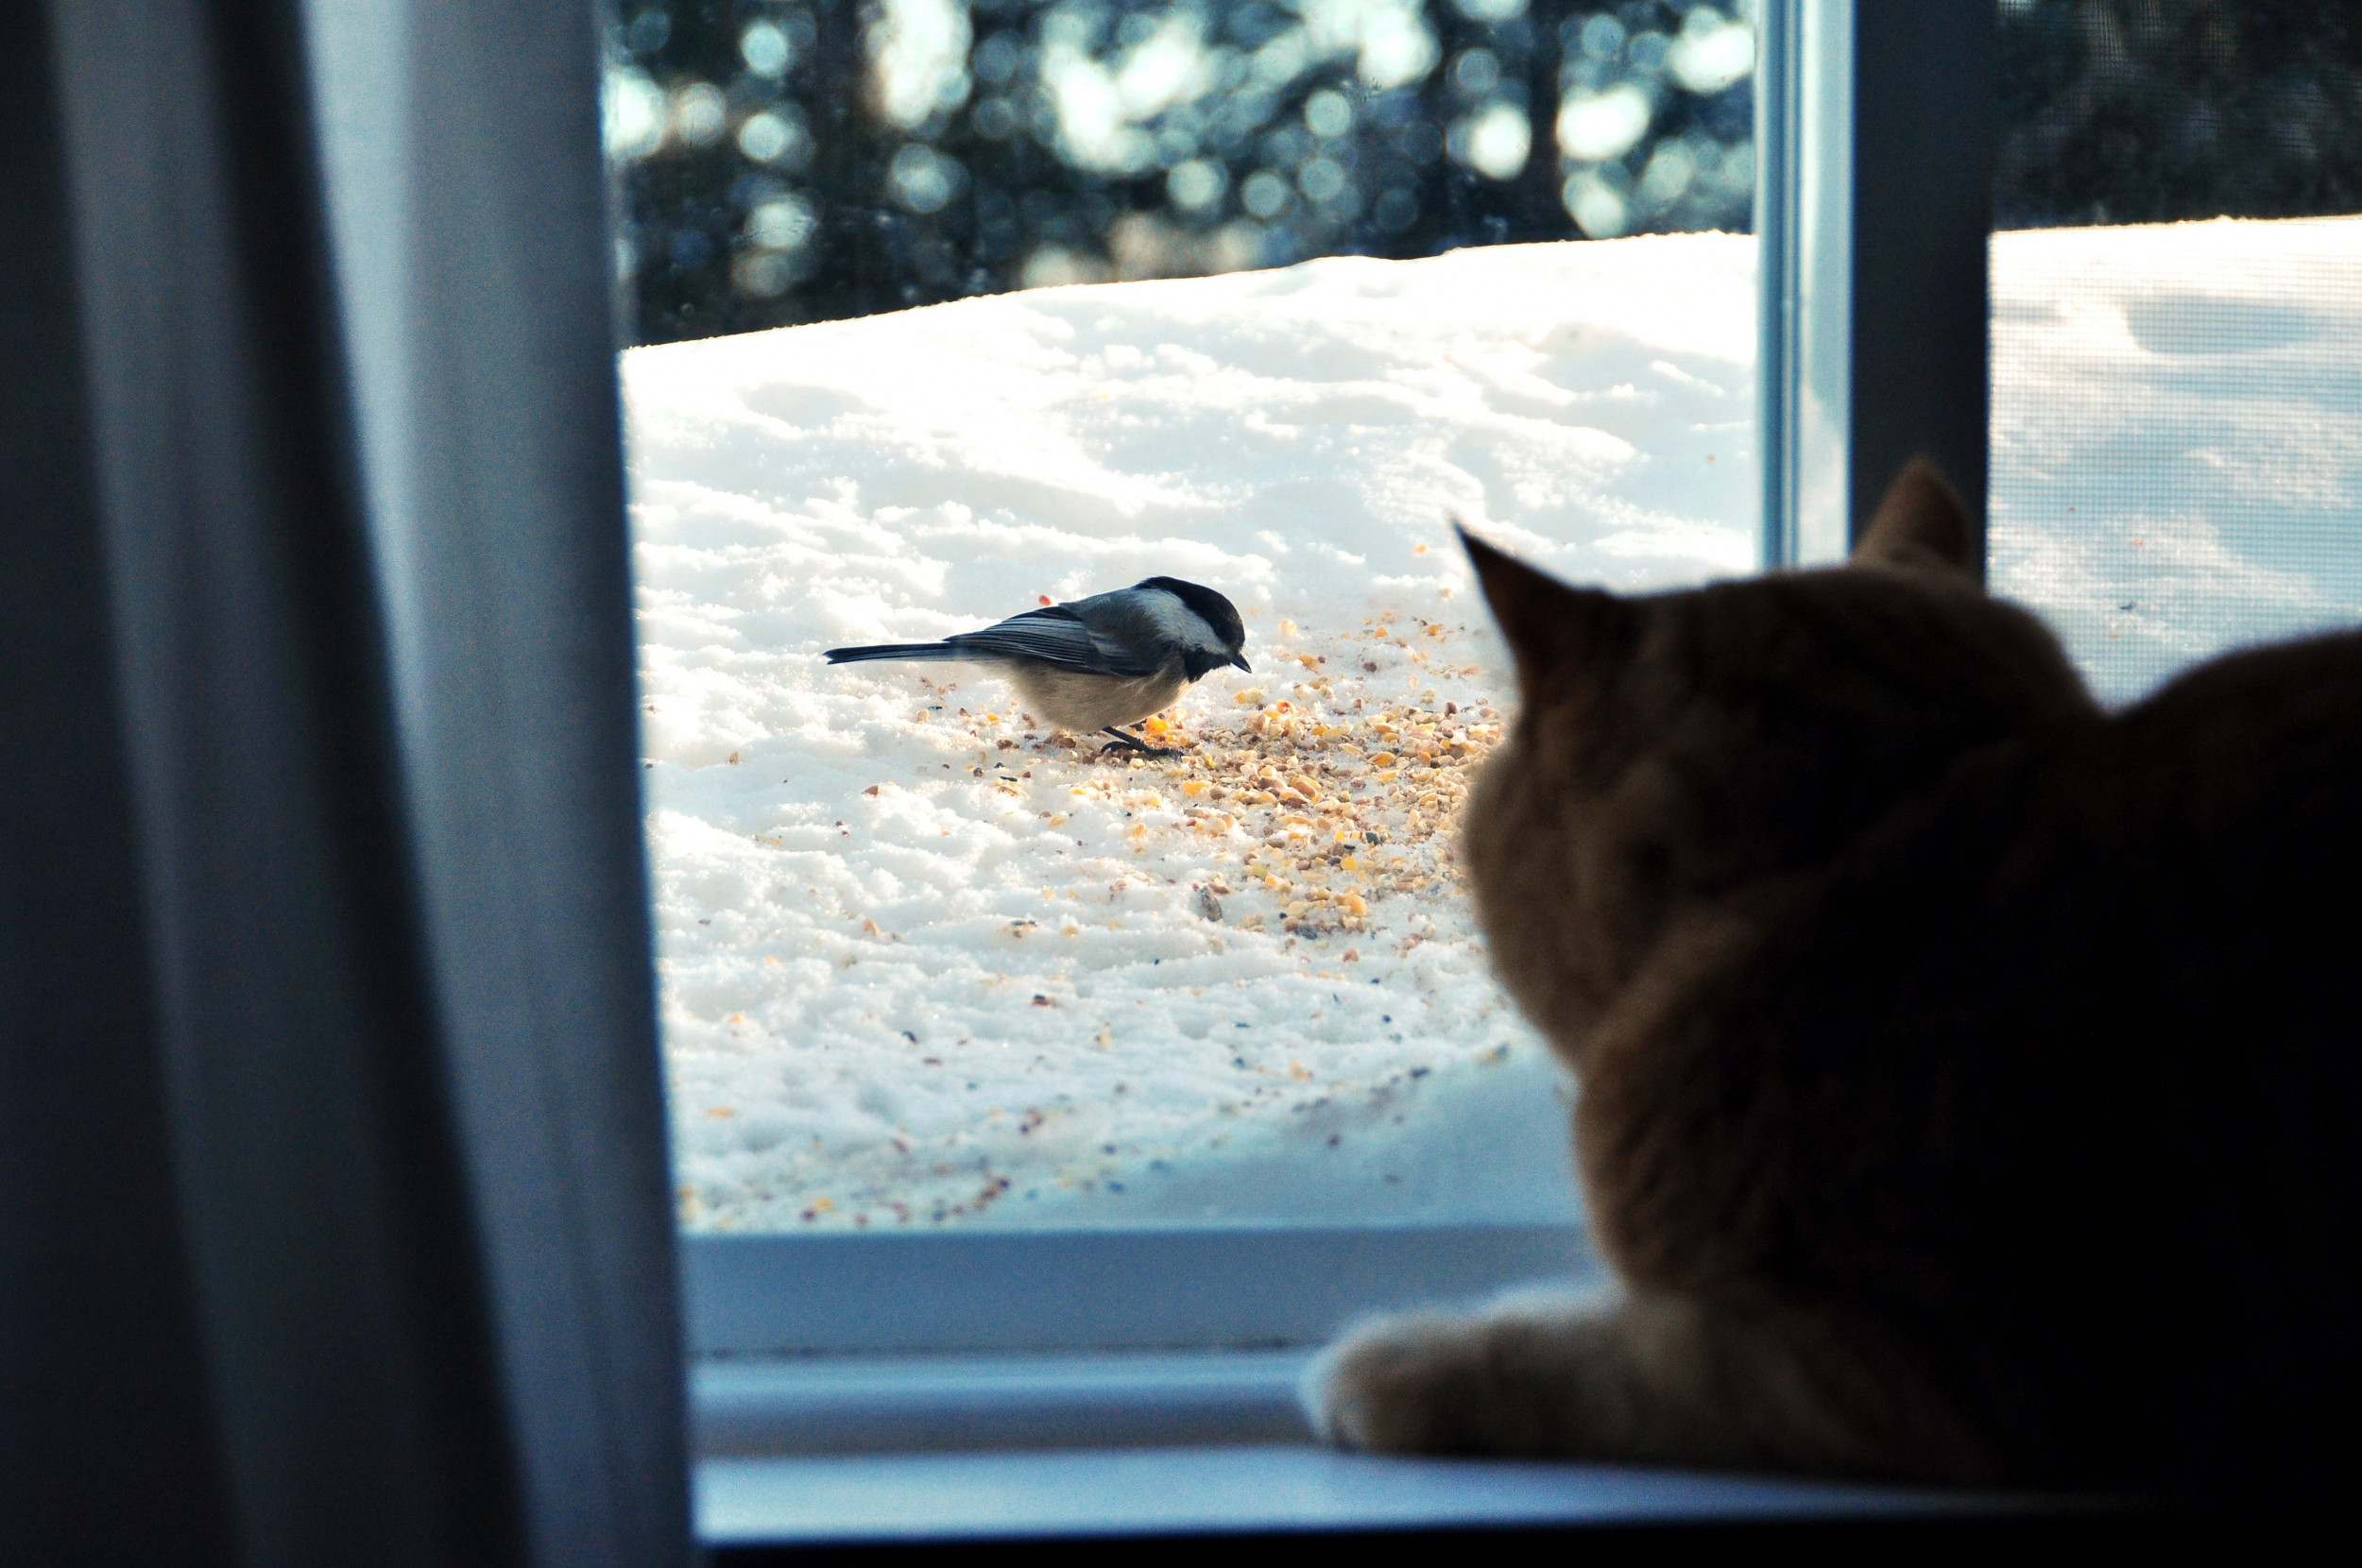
[1967, 1074]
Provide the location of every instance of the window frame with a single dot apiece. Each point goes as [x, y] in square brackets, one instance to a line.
[1151, 1288]
[1855, 233]
[1874, 345]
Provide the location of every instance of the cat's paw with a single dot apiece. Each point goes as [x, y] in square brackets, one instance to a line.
[1408, 1385]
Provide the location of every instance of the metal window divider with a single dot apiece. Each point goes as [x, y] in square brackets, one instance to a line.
[1874, 335]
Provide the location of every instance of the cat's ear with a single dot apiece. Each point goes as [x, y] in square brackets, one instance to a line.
[1920, 522]
[1549, 625]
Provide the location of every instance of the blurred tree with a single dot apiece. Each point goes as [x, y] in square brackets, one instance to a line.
[786, 161]
[2149, 111]
[795, 161]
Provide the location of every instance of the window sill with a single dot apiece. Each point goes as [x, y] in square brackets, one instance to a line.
[855, 1450]
[884, 1498]
[853, 1405]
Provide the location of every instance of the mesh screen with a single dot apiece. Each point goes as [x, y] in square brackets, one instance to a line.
[2177, 438]
[2177, 423]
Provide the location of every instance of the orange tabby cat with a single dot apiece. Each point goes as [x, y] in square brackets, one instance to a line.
[1968, 1076]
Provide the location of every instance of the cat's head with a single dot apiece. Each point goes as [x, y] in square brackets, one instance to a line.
[1677, 750]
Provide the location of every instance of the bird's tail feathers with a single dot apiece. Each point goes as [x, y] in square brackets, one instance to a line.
[894, 650]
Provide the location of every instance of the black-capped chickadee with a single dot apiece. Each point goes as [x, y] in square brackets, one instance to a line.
[1099, 662]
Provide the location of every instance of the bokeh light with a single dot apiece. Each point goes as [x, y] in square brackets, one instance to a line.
[765, 49]
[699, 114]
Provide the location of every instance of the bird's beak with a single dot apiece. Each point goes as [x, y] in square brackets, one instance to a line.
[1239, 660]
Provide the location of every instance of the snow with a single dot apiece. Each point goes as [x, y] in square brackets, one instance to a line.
[921, 965]
[2178, 437]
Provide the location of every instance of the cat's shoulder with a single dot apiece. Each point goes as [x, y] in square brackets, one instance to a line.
[2286, 699]
[2325, 670]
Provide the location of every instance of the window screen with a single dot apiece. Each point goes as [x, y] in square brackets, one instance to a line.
[2177, 296]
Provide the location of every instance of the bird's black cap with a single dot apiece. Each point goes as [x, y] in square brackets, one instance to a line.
[1217, 611]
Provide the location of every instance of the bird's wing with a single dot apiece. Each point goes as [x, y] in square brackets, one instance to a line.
[1056, 635]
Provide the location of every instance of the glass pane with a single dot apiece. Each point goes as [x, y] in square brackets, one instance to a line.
[2178, 327]
[927, 960]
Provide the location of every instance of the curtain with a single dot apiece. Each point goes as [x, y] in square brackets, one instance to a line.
[334, 1216]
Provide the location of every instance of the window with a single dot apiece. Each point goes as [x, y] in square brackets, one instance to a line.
[929, 967]
[333, 902]
[951, 978]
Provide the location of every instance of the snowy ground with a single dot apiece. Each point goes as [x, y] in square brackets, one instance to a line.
[2178, 437]
[921, 965]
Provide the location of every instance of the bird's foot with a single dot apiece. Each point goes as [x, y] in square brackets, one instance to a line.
[1127, 743]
